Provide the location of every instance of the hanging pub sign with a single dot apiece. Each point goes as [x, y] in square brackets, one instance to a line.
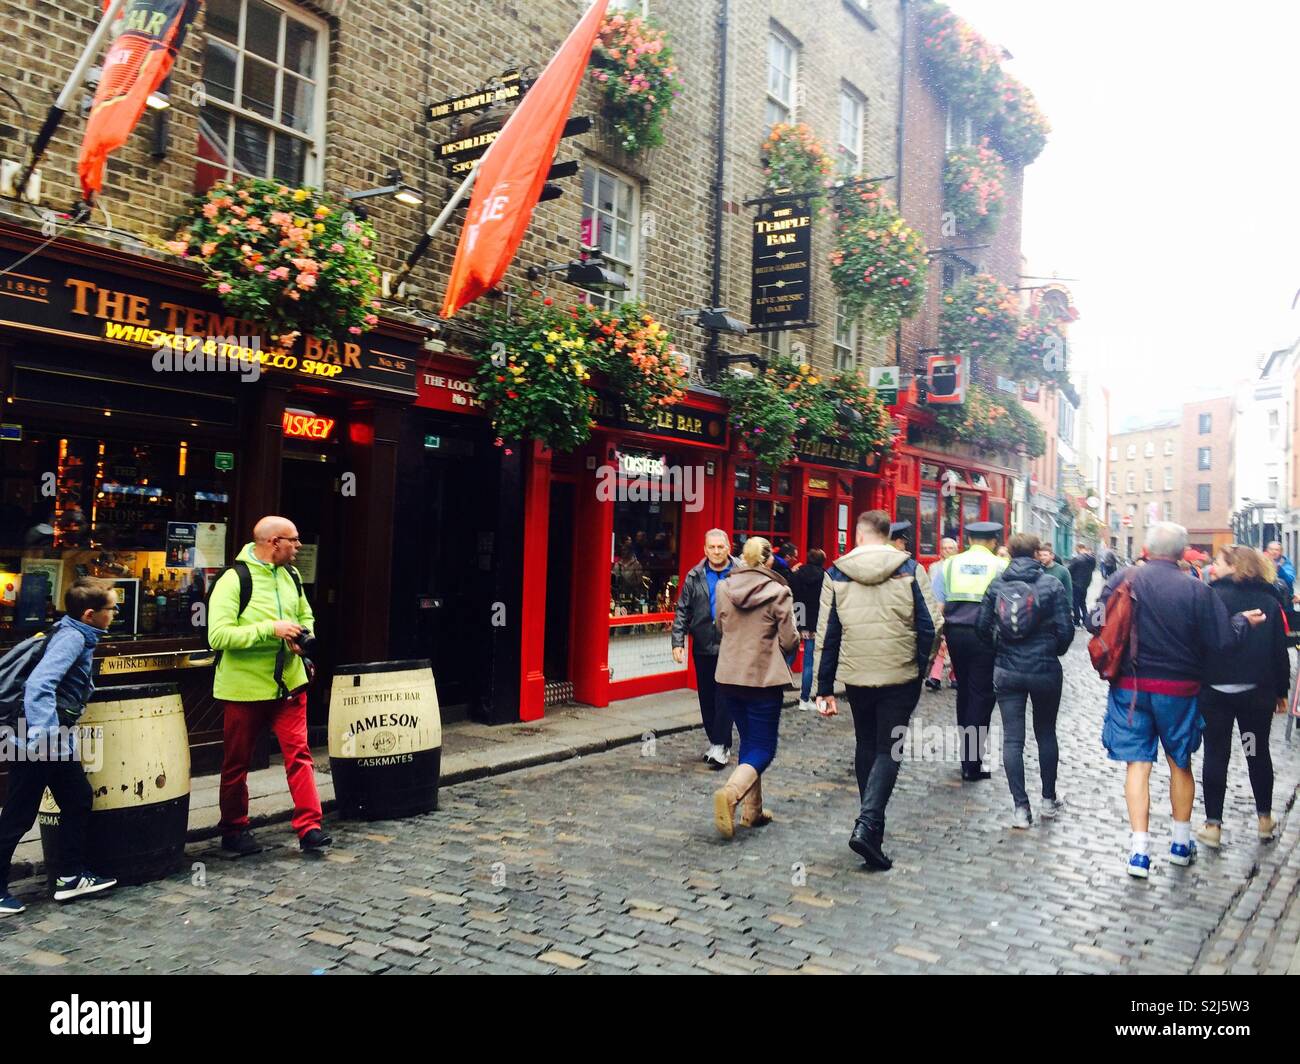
[188, 331]
[508, 88]
[461, 150]
[782, 263]
[837, 455]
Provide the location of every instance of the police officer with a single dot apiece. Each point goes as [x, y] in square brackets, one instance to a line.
[900, 535]
[962, 581]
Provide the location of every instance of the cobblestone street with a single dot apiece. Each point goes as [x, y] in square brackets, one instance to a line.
[610, 863]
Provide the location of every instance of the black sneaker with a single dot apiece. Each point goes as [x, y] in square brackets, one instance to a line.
[315, 840]
[866, 843]
[68, 887]
[242, 844]
[976, 776]
[932, 685]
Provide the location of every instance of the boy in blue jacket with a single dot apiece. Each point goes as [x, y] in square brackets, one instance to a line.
[55, 697]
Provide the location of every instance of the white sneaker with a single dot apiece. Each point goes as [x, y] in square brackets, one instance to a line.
[1021, 818]
[807, 704]
[1052, 807]
[716, 755]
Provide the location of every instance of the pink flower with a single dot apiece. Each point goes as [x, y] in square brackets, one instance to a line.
[259, 268]
[210, 210]
[179, 247]
[355, 330]
[372, 319]
[337, 248]
[224, 288]
[306, 280]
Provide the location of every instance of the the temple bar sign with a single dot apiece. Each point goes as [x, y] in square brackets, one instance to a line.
[188, 327]
[782, 264]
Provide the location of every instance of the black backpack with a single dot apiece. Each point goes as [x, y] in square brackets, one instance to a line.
[1018, 608]
[245, 578]
[15, 668]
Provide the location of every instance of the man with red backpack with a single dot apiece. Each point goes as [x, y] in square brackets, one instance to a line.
[1025, 617]
[1154, 649]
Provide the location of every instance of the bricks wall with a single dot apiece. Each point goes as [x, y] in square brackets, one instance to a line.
[1119, 469]
[388, 61]
[1203, 525]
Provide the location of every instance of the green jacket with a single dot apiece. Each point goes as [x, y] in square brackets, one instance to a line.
[1061, 573]
[246, 671]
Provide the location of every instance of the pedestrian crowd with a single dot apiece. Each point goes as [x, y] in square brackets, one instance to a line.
[1189, 644]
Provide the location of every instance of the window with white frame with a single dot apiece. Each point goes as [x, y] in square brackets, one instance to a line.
[1168, 510]
[775, 344]
[1203, 423]
[1203, 458]
[1114, 483]
[1169, 478]
[1274, 424]
[1130, 483]
[782, 75]
[1149, 450]
[1202, 497]
[846, 339]
[853, 112]
[959, 130]
[262, 111]
[1148, 480]
[1273, 488]
[637, 7]
[610, 221]
[1131, 452]
[1169, 448]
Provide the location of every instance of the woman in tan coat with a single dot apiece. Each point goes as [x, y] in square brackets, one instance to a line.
[755, 614]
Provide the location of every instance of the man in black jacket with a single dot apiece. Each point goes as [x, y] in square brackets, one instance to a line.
[696, 610]
[1081, 567]
[1025, 615]
[806, 583]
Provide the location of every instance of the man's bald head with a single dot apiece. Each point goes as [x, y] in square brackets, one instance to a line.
[275, 540]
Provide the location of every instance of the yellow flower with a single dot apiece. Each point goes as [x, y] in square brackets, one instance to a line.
[553, 336]
[320, 228]
[804, 368]
[550, 359]
[300, 194]
[812, 380]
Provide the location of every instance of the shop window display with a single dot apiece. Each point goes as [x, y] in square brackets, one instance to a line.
[151, 517]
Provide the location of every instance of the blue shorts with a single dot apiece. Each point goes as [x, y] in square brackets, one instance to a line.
[1173, 719]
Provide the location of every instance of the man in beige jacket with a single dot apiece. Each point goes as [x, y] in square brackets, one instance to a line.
[877, 629]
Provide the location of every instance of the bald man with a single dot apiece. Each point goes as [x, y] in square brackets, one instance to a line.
[256, 612]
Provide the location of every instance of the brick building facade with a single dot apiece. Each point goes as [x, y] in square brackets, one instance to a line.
[1207, 469]
[1145, 483]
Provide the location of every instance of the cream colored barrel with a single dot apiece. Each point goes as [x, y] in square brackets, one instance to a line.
[385, 738]
[136, 755]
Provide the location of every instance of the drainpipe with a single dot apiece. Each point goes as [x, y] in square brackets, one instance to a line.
[905, 15]
[715, 292]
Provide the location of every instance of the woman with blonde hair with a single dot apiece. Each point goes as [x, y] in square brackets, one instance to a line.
[755, 614]
[1248, 687]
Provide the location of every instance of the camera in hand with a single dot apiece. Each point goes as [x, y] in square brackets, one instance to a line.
[306, 643]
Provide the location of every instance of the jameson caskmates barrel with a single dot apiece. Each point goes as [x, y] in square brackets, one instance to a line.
[136, 754]
[385, 738]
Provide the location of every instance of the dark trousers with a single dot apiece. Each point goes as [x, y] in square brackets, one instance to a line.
[880, 716]
[1253, 712]
[757, 713]
[972, 661]
[27, 783]
[1044, 693]
[1080, 605]
[714, 712]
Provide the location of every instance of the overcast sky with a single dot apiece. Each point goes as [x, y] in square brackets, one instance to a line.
[1170, 185]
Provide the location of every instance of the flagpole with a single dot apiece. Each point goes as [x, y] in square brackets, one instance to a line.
[438, 224]
[60, 108]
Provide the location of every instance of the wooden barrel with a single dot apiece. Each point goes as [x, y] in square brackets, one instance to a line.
[136, 754]
[385, 734]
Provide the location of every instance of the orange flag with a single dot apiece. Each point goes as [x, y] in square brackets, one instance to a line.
[513, 171]
[137, 63]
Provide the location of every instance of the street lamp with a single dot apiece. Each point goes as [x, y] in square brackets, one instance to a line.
[396, 187]
[589, 272]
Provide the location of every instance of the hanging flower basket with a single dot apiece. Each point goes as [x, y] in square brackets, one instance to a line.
[293, 259]
[879, 264]
[990, 421]
[633, 64]
[535, 371]
[1019, 126]
[789, 404]
[794, 159]
[980, 319]
[1040, 353]
[974, 187]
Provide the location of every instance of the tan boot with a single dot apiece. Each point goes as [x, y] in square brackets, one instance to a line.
[752, 813]
[730, 795]
[1210, 835]
[1267, 828]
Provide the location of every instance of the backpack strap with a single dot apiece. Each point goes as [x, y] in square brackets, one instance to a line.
[245, 576]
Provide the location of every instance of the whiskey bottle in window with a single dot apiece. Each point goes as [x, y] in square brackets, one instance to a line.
[160, 602]
[148, 608]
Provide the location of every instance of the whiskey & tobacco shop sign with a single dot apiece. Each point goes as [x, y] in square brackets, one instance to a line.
[56, 299]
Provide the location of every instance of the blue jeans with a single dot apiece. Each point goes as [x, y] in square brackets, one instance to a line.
[805, 688]
[757, 713]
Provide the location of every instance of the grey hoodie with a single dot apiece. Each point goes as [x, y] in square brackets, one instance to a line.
[756, 619]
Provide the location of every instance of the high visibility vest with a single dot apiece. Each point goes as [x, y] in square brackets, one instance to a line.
[967, 576]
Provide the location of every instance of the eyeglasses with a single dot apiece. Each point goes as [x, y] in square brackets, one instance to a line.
[296, 539]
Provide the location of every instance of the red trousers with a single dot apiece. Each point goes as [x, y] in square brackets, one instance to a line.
[244, 723]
